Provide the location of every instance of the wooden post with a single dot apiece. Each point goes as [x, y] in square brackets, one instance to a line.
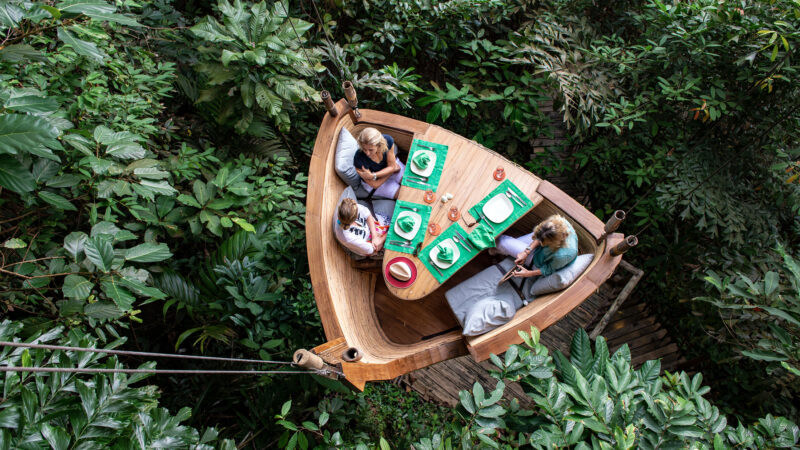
[329, 105]
[308, 360]
[352, 99]
[636, 275]
[613, 223]
[624, 246]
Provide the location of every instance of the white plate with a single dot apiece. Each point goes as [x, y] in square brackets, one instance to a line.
[498, 208]
[427, 171]
[417, 222]
[434, 254]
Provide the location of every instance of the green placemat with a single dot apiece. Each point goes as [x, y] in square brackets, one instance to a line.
[433, 178]
[465, 255]
[519, 211]
[423, 210]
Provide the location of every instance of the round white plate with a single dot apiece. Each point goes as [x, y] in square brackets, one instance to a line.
[435, 254]
[417, 222]
[427, 171]
[498, 208]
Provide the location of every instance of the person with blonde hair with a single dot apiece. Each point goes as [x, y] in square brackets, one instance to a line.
[375, 161]
[551, 246]
[358, 230]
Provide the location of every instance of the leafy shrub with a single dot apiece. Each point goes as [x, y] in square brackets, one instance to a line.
[69, 410]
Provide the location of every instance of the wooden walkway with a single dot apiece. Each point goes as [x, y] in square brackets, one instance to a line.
[633, 323]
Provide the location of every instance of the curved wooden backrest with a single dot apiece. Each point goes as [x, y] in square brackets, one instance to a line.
[548, 309]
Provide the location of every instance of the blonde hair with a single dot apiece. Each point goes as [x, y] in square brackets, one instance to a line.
[555, 229]
[348, 212]
[372, 136]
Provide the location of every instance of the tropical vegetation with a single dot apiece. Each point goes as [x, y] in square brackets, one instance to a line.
[152, 181]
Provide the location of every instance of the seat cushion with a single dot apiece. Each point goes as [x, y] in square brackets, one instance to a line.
[487, 314]
[343, 161]
[559, 279]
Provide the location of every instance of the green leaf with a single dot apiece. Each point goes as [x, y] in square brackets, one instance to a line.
[384, 444]
[77, 287]
[770, 283]
[100, 252]
[466, 401]
[20, 132]
[86, 7]
[21, 52]
[119, 294]
[9, 417]
[764, 355]
[81, 47]
[152, 173]
[74, 243]
[188, 200]
[57, 437]
[148, 252]
[102, 310]
[13, 176]
[57, 201]
[32, 104]
[14, 243]
[243, 224]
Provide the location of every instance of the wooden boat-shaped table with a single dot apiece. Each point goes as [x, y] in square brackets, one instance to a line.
[396, 331]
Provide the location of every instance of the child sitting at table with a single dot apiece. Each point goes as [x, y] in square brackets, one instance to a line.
[377, 165]
[358, 230]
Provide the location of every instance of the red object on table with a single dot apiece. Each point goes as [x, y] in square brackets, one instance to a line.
[434, 229]
[430, 197]
[499, 173]
[394, 281]
[454, 214]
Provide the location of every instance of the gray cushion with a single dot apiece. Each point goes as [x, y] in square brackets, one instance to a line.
[343, 162]
[559, 279]
[464, 297]
[487, 314]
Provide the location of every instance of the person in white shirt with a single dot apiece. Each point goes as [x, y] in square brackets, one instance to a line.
[358, 230]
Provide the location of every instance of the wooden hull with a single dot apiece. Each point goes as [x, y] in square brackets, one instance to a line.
[393, 336]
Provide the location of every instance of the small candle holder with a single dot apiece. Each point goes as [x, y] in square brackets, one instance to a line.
[454, 215]
[434, 229]
[429, 197]
[499, 173]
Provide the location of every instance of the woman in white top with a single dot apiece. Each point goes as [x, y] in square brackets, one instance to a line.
[357, 230]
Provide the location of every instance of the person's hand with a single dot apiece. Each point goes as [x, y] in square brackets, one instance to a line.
[521, 256]
[366, 174]
[379, 240]
[522, 272]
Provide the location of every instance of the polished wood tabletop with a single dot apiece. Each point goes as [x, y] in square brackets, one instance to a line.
[468, 175]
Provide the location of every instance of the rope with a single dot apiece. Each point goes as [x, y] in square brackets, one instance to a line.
[155, 371]
[131, 353]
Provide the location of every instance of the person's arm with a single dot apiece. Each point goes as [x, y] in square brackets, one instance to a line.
[367, 176]
[525, 273]
[391, 166]
[523, 255]
[377, 239]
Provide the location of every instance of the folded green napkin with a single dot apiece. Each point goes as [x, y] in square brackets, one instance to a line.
[422, 159]
[482, 237]
[406, 223]
[445, 254]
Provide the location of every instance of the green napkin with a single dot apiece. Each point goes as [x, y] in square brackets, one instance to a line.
[420, 147]
[406, 223]
[482, 237]
[422, 159]
[445, 254]
[423, 210]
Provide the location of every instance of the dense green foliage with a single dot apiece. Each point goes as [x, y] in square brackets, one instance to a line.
[152, 175]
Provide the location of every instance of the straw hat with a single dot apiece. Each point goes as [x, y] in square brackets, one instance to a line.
[400, 271]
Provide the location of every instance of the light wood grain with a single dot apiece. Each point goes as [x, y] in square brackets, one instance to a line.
[358, 312]
[467, 174]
